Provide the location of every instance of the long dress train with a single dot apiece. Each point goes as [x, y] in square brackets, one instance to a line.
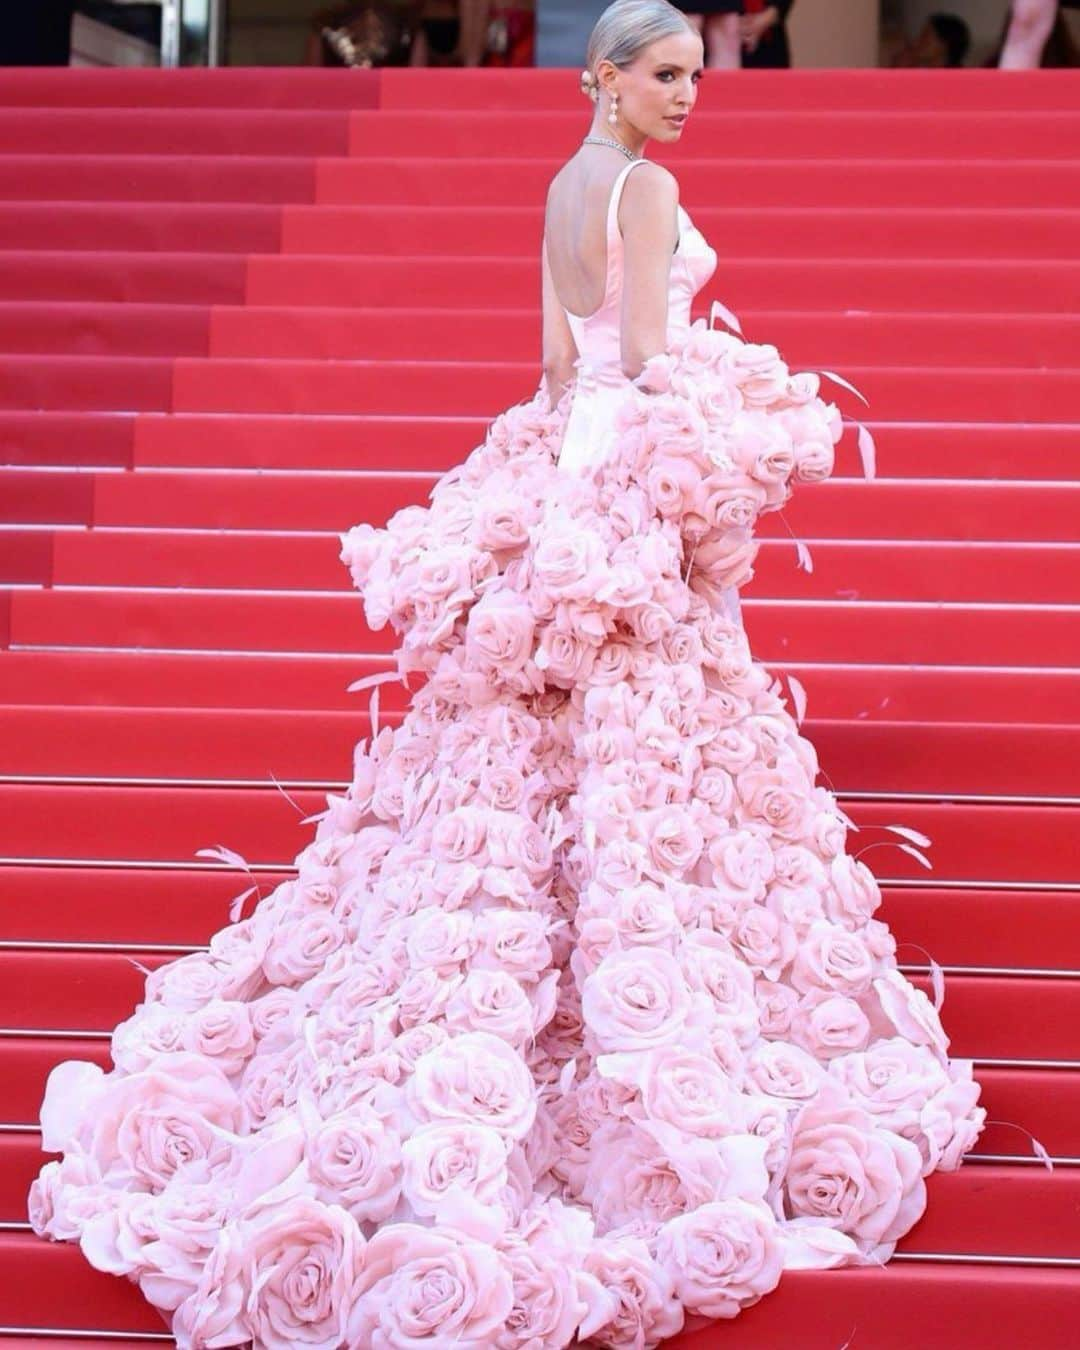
[575, 1018]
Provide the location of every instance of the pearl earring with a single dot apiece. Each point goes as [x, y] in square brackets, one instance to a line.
[613, 112]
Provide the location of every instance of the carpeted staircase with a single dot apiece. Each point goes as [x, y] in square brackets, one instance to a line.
[242, 310]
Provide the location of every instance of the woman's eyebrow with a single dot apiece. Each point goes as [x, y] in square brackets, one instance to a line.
[672, 65]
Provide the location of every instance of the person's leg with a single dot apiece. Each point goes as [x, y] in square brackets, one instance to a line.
[723, 46]
[474, 25]
[1029, 27]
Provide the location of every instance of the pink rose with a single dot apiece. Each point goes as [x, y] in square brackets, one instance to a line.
[426, 1288]
[501, 526]
[744, 860]
[646, 1310]
[492, 1001]
[846, 1172]
[832, 959]
[455, 1174]
[828, 1025]
[354, 1159]
[712, 967]
[780, 1069]
[853, 893]
[777, 1003]
[152, 1030]
[893, 1081]
[141, 1129]
[460, 835]
[499, 632]
[569, 561]
[222, 1032]
[688, 1091]
[675, 840]
[635, 1000]
[550, 1299]
[187, 983]
[775, 798]
[439, 940]
[475, 1078]
[286, 1276]
[765, 941]
[300, 948]
[723, 1257]
[514, 941]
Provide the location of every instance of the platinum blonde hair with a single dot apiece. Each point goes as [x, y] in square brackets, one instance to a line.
[623, 30]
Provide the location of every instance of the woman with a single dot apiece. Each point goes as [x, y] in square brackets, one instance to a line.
[575, 1019]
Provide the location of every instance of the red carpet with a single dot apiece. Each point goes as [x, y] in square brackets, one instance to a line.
[250, 318]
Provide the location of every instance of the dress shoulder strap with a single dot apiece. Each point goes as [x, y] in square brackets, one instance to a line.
[616, 196]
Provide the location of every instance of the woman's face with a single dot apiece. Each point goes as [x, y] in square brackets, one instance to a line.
[659, 88]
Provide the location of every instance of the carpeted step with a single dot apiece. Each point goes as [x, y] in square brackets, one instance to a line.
[989, 1016]
[141, 226]
[63, 438]
[246, 132]
[313, 621]
[921, 450]
[864, 90]
[756, 134]
[843, 569]
[26, 557]
[103, 330]
[929, 1302]
[744, 284]
[703, 181]
[883, 508]
[972, 843]
[241, 88]
[160, 178]
[842, 691]
[805, 338]
[62, 741]
[1003, 929]
[791, 232]
[41, 497]
[161, 278]
[106, 383]
[432, 387]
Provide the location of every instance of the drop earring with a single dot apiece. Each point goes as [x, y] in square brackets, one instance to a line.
[613, 112]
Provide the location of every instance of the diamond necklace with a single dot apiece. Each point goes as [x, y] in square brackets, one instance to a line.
[615, 145]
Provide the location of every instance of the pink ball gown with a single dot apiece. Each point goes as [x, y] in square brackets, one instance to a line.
[575, 1020]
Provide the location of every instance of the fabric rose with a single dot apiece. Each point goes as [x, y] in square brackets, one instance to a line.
[644, 1308]
[636, 1000]
[455, 1174]
[848, 1173]
[286, 1276]
[475, 1078]
[354, 1160]
[437, 1290]
[723, 1257]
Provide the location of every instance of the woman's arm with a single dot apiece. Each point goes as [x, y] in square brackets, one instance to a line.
[559, 348]
[648, 219]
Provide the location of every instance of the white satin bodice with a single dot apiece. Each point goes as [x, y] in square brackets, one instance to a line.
[600, 378]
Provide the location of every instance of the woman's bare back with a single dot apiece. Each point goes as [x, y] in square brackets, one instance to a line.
[575, 225]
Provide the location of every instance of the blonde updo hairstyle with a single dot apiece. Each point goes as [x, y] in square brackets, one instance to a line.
[623, 30]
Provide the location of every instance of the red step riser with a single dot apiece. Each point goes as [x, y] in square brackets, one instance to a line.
[66, 438]
[162, 178]
[198, 679]
[884, 633]
[810, 339]
[867, 90]
[992, 1017]
[951, 451]
[244, 88]
[1002, 929]
[821, 283]
[893, 509]
[182, 743]
[106, 383]
[433, 387]
[136, 226]
[125, 383]
[938, 1305]
[879, 183]
[104, 331]
[161, 278]
[973, 844]
[886, 570]
[31, 498]
[26, 558]
[1037, 1204]
[720, 131]
[190, 131]
[792, 233]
